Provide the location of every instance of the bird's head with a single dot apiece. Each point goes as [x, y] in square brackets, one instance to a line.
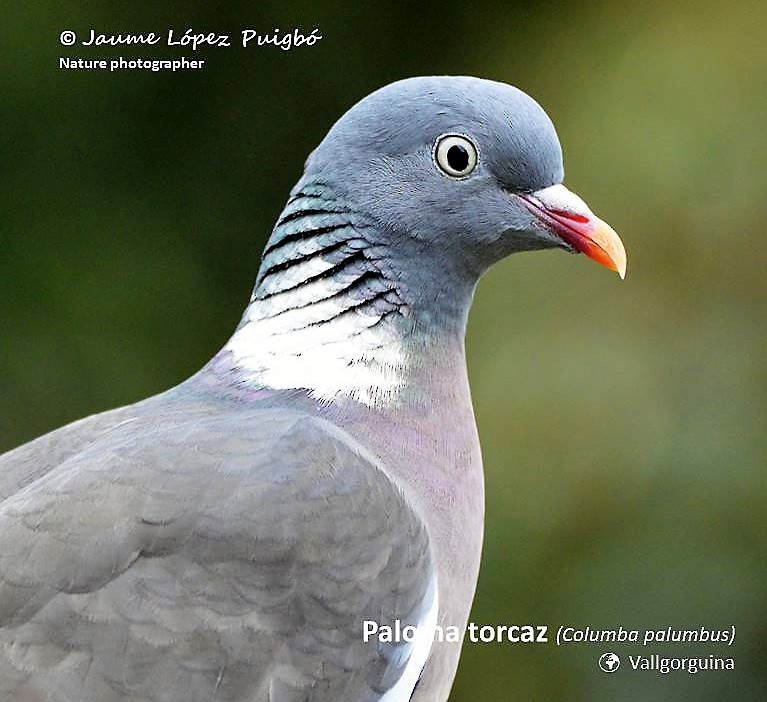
[461, 170]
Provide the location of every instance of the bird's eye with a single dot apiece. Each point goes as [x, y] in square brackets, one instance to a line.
[455, 155]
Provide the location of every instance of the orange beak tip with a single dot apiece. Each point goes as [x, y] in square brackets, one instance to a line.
[607, 248]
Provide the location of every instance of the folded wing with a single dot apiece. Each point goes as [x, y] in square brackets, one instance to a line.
[227, 558]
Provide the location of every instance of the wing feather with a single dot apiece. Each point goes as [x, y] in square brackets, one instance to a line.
[228, 557]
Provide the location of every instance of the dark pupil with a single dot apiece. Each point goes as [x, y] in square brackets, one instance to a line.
[458, 158]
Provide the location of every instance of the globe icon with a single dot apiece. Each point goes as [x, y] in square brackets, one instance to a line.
[609, 662]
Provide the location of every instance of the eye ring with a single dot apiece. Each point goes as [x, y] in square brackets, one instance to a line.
[456, 155]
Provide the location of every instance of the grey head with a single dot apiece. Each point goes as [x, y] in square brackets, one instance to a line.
[458, 172]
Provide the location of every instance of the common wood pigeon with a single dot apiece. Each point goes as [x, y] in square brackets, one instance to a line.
[232, 539]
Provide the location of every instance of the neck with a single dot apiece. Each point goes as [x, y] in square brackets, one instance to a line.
[332, 314]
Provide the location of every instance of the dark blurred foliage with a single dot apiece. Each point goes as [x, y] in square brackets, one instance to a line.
[622, 423]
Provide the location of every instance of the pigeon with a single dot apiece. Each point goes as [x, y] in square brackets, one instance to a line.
[302, 519]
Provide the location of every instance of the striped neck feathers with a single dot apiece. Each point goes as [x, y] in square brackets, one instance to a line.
[326, 314]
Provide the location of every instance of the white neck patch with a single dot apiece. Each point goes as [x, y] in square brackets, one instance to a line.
[327, 347]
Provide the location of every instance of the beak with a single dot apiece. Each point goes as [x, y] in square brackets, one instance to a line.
[568, 217]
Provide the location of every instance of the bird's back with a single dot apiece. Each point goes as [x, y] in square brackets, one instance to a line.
[193, 547]
[24, 464]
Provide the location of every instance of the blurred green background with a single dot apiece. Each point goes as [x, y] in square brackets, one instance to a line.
[622, 423]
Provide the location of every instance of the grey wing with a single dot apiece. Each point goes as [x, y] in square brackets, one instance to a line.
[32, 460]
[235, 559]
